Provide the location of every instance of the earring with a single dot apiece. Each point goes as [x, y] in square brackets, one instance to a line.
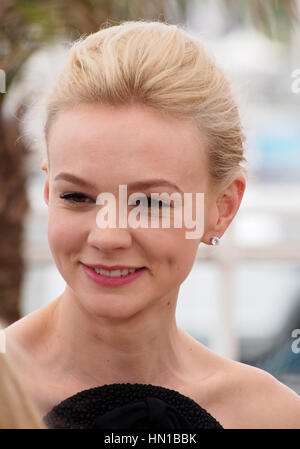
[215, 240]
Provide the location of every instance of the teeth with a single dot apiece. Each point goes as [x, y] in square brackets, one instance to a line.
[114, 273]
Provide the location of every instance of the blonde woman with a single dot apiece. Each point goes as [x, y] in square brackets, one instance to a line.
[140, 105]
[17, 410]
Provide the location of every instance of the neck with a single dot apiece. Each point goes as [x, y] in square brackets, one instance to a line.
[147, 347]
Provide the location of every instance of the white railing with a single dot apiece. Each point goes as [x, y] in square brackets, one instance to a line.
[280, 202]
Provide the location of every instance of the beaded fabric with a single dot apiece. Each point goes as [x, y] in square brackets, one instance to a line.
[129, 406]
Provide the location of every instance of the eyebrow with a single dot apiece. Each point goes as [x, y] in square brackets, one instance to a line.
[135, 185]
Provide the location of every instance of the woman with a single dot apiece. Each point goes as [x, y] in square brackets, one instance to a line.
[140, 105]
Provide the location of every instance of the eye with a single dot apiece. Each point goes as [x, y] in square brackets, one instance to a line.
[150, 202]
[76, 197]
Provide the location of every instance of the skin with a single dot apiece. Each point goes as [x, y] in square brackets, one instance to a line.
[92, 335]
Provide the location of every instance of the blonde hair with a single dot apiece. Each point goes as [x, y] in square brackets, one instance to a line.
[161, 66]
[17, 410]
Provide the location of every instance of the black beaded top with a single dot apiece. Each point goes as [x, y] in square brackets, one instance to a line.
[129, 406]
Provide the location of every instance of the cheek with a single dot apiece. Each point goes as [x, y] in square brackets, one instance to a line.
[185, 256]
[168, 249]
[65, 231]
[181, 254]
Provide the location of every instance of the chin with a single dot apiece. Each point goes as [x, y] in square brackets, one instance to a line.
[110, 307]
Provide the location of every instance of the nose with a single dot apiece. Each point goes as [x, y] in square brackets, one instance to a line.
[109, 239]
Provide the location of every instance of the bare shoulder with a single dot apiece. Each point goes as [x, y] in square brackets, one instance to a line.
[28, 331]
[253, 398]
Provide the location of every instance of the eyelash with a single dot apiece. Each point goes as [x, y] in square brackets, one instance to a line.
[71, 197]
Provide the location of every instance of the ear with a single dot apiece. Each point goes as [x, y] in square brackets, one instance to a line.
[224, 208]
[46, 186]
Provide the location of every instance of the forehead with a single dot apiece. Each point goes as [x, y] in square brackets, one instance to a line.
[126, 143]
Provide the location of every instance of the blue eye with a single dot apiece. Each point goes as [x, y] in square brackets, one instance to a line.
[75, 197]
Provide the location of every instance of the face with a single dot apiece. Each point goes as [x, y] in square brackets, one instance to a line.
[105, 147]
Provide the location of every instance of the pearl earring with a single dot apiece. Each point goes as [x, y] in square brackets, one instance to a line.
[215, 240]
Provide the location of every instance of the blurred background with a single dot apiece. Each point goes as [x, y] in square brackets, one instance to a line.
[242, 298]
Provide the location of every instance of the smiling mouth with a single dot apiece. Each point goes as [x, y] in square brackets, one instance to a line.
[113, 278]
[116, 273]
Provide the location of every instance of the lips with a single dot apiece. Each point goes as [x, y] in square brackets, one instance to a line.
[113, 267]
[107, 281]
